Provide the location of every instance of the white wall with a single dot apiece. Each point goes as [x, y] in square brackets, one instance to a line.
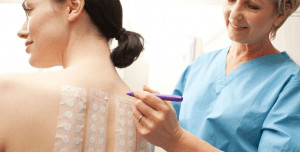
[13, 57]
[170, 29]
[288, 37]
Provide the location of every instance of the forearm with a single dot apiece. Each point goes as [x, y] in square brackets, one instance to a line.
[188, 142]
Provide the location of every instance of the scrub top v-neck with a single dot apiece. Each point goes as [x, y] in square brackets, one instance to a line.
[255, 104]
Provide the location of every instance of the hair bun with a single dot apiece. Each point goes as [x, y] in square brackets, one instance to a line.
[130, 46]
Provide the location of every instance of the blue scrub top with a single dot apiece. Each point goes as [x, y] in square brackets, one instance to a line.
[254, 108]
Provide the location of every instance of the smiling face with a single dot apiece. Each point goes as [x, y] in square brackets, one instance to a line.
[45, 32]
[249, 21]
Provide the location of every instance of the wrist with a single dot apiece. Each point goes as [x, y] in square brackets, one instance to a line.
[188, 142]
[172, 147]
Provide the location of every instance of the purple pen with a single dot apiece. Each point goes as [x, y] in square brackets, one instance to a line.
[163, 97]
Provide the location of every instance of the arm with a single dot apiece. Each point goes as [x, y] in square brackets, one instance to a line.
[188, 142]
[160, 126]
[5, 86]
[281, 131]
[13, 102]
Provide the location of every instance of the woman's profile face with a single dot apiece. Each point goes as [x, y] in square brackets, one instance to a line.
[249, 21]
[44, 31]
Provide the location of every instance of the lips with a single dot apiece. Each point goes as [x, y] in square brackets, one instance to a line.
[28, 43]
[238, 26]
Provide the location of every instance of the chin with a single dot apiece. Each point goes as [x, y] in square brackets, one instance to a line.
[37, 64]
[238, 39]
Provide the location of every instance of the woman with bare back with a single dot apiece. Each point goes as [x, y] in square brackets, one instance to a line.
[83, 107]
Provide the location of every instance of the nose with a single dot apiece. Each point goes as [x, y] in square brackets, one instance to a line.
[23, 32]
[236, 11]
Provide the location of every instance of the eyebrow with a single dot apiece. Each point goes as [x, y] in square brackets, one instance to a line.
[258, 1]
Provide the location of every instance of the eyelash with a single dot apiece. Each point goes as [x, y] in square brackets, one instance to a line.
[27, 11]
[253, 7]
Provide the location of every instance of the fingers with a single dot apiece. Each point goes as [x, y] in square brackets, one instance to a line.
[143, 108]
[143, 121]
[136, 115]
[155, 119]
[146, 88]
[169, 103]
[139, 126]
[151, 100]
[152, 116]
[143, 124]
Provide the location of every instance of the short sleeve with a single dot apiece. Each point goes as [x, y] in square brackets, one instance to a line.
[281, 129]
[179, 89]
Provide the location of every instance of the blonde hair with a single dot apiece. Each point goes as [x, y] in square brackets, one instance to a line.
[283, 7]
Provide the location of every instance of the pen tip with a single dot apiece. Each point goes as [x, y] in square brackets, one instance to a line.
[130, 93]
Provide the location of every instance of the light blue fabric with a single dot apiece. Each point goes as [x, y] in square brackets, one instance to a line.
[254, 108]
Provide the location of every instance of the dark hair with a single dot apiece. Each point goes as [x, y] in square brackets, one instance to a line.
[108, 17]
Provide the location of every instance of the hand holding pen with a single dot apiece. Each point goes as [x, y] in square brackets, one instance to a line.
[156, 119]
[163, 97]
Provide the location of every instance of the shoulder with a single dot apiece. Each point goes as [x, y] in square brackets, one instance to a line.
[16, 88]
[284, 76]
[293, 79]
[288, 71]
[20, 88]
[21, 96]
[22, 84]
[14, 85]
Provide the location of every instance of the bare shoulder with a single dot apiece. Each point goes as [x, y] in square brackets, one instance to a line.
[25, 100]
[14, 87]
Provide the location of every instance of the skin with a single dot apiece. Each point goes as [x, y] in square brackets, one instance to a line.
[46, 24]
[29, 103]
[248, 23]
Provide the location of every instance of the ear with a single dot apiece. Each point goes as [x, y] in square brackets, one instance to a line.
[76, 8]
[281, 17]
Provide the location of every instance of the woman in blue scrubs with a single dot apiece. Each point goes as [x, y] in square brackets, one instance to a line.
[245, 97]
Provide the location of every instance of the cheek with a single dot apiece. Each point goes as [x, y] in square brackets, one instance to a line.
[47, 29]
[34, 26]
[262, 23]
[226, 9]
[226, 13]
[49, 37]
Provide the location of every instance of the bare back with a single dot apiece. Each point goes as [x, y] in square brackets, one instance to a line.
[32, 111]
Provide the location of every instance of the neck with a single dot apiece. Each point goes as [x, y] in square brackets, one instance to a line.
[240, 53]
[86, 47]
[85, 51]
[243, 51]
